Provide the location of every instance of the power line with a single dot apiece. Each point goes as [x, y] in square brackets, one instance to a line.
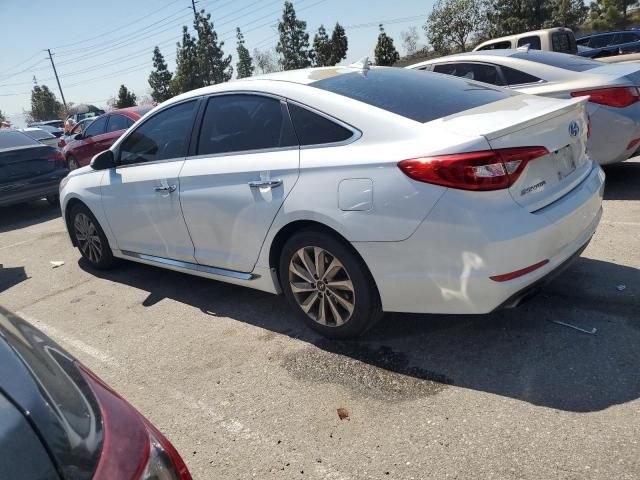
[118, 29]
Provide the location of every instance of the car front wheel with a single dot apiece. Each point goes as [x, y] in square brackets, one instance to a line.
[328, 284]
[90, 238]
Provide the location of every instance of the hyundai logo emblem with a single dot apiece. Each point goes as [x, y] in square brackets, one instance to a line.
[574, 129]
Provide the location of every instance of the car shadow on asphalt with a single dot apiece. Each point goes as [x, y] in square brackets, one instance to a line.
[516, 353]
[623, 181]
[24, 215]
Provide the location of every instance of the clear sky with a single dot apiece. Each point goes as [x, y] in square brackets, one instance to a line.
[98, 45]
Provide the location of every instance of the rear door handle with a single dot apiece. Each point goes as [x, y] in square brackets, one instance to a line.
[265, 183]
[165, 188]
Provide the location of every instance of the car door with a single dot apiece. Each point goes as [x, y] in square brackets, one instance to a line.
[89, 145]
[245, 162]
[141, 195]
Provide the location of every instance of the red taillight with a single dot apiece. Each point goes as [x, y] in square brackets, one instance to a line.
[633, 143]
[61, 143]
[132, 447]
[486, 170]
[518, 273]
[613, 97]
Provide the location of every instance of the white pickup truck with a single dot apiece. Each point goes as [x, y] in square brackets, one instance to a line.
[551, 39]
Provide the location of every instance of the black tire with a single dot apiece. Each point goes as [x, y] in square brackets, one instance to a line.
[72, 163]
[53, 200]
[79, 215]
[361, 294]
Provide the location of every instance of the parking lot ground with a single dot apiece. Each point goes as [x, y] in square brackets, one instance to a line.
[245, 391]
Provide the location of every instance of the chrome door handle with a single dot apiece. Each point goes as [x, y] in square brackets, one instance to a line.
[265, 183]
[166, 188]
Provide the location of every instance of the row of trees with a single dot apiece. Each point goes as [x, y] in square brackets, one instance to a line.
[201, 60]
[455, 25]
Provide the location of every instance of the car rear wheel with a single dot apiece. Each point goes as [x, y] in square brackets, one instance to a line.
[90, 238]
[328, 284]
[72, 163]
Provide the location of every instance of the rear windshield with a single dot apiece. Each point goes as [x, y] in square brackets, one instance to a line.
[418, 95]
[559, 60]
[12, 139]
[38, 134]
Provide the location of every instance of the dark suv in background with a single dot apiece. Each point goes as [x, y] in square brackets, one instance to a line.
[609, 43]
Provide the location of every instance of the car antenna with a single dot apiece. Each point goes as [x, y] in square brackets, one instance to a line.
[362, 64]
[524, 48]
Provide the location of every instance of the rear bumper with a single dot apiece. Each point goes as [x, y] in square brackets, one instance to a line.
[30, 193]
[444, 267]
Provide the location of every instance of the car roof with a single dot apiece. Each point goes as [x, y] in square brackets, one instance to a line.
[132, 112]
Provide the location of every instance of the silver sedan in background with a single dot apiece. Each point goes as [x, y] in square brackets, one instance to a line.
[614, 95]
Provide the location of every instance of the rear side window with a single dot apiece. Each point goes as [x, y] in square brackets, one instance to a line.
[479, 72]
[118, 122]
[314, 129]
[239, 123]
[600, 41]
[559, 60]
[96, 128]
[413, 94]
[533, 42]
[39, 134]
[497, 46]
[563, 42]
[163, 136]
[12, 139]
[517, 77]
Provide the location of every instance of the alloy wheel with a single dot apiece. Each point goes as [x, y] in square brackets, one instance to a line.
[321, 285]
[88, 238]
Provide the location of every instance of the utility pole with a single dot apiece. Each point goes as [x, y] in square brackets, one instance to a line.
[57, 79]
[193, 4]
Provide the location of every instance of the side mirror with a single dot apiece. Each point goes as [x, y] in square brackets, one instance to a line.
[78, 136]
[103, 161]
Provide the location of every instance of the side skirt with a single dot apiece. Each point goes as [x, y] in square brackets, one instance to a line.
[260, 280]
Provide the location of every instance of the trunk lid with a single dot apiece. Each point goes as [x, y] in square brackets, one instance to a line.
[21, 164]
[524, 120]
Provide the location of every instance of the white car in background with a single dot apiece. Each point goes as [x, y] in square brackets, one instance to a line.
[613, 92]
[351, 190]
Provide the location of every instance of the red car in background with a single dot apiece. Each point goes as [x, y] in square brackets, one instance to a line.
[101, 134]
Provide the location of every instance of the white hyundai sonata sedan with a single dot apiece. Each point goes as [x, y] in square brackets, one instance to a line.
[353, 191]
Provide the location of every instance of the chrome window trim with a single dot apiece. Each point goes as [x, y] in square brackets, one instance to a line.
[244, 152]
[190, 266]
[356, 133]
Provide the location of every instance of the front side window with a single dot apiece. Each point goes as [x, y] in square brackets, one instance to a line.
[533, 42]
[163, 136]
[240, 123]
[96, 128]
[472, 71]
[118, 122]
[314, 129]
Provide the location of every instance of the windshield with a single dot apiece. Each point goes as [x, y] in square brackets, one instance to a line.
[559, 60]
[420, 96]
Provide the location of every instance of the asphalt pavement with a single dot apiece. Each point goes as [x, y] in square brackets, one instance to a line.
[244, 390]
